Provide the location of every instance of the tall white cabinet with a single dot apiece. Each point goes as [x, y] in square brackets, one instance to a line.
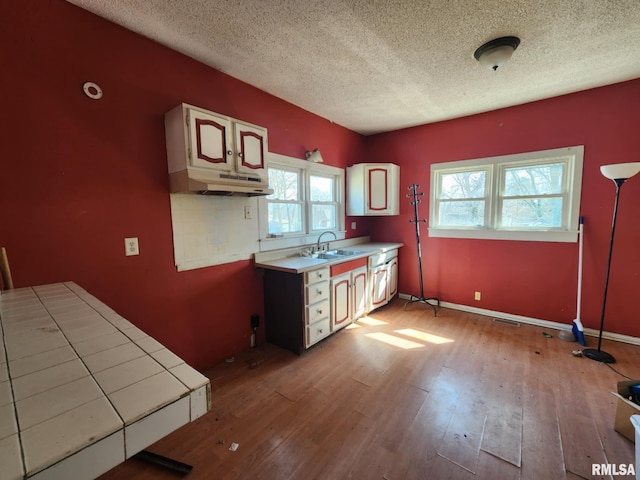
[373, 189]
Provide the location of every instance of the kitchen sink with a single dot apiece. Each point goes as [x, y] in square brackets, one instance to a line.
[328, 255]
[336, 254]
[349, 252]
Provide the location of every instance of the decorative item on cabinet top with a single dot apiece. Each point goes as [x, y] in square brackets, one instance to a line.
[373, 189]
[214, 154]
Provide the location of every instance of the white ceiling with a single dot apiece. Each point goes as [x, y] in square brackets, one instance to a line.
[376, 65]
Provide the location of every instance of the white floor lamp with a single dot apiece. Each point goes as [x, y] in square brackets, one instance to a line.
[619, 173]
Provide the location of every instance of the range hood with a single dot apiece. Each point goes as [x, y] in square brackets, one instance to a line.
[218, 183]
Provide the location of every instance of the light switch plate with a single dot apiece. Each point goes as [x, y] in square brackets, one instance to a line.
[131, 246]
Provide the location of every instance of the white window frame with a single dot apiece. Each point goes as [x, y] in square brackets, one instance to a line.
[299, 201]
[309, 235]
[572, 157]
[335, 203]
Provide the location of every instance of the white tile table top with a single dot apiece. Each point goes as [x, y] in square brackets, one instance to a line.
[10, 460]
[111, 357]
[142, 398]
[77, 374]
[75, 427]
[48, 378]
[167, 358]
[40, 361]
[99, 344]
[127, 373]
[189, 377]
[50, 403]
[5, 393]
[8, 425]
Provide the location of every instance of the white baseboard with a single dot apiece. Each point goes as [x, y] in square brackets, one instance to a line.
[534, 321]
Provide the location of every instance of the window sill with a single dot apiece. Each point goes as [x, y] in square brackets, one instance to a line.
[518, 235]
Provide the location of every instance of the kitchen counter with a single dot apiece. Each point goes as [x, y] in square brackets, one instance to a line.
[306, 300]
[81, 388]
[290, 260]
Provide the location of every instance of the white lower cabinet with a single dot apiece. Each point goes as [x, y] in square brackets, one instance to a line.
[348, 297]
[317, 331]
[383, 278]
[359, 282]
[317, 306]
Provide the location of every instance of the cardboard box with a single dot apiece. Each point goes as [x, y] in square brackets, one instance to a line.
[624, 409]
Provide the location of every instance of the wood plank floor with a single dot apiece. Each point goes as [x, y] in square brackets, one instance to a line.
[406, 395]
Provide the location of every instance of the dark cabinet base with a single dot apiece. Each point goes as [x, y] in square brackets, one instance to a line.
[284, 309]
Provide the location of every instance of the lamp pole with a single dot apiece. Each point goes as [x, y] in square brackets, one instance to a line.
[598, 354]
[619, 173]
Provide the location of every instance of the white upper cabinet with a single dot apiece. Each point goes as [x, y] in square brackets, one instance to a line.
[373, 189]
[210, 140]
[211, 147]
[250, 147]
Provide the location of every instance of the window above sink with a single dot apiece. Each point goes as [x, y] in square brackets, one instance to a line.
[308, 200]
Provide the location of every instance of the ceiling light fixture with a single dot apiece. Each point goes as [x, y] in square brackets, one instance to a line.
[497, 52]
[314, 156]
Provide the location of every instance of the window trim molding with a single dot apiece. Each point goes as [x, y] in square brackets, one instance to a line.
[308, 237]
[495, 168]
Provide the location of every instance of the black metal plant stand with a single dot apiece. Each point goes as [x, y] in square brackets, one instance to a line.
[421, 299]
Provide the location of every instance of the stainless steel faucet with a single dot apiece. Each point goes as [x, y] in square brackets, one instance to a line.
[321, 235]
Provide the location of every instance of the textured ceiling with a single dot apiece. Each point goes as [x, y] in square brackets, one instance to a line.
[375, 66]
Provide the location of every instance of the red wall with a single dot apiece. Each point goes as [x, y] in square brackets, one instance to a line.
[77, 176]
[533, 279]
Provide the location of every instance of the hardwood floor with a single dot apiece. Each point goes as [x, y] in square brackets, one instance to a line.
[406, 395]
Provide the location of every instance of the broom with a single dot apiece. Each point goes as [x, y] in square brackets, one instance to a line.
[578, 329]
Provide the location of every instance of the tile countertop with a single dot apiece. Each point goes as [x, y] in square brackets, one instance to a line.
[81, 388]
[289, 260]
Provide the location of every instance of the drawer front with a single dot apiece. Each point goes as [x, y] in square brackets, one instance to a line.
[317, 275]
[382, 258]
[317, 311]
[317, 292]
[348, 266]
[318, 330]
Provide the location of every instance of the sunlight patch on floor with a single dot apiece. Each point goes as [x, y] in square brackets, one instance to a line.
[371, 321]
[424, 336]
[393, 340]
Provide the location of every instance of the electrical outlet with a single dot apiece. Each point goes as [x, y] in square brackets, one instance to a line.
[478, 296]
[131, 246]
[353, 225]
[248, 212]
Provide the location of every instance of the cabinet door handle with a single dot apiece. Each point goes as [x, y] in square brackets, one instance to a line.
[319, 292]
[319, 311]
[240, 154]
[319, 330]
[229, 152]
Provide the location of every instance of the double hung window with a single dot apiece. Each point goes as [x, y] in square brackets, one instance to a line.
[308, 199]
[529, 196]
